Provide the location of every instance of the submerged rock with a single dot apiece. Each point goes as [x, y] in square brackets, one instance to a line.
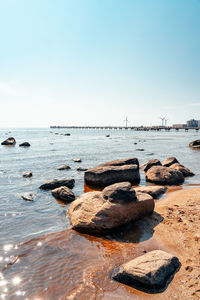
[185, 171]
[55, 183]
[151, 272]
[153, 162]
[64, 194]
[195, 144]
[9, 142]
[169, 161]
[154, 191]
[164, 176]
[25, 144]
[113, 172]
[101, 212]
[27, 174]
[64, 167]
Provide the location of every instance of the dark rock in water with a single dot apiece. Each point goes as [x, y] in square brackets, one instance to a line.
[164, 176]
[107, 135]
[55, 183]
[28, 197]
[185, 171]
[64, 167]
[9, 142]
[153, 162]
[154, 191]
[25, 144]
[195, 144]
[135, 143]
[77, 160]
[67, 134]
[81, 169]
[170, 161]
[64, 194]
[140, 149]
[101, 212]
[151, 272]
[27, 174]
[113, 172]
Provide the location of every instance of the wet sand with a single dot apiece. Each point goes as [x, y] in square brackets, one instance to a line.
[69, 265]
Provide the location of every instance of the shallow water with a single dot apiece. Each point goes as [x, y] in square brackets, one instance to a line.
[35, 265]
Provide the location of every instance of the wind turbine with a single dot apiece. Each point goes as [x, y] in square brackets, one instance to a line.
[163, 119]
[126, 121]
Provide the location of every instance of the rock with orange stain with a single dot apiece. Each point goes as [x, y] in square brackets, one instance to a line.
[185, 171]
[164, 176]
[101, 212]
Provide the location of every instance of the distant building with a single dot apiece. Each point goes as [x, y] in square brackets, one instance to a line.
[192, 123]
[179, 125]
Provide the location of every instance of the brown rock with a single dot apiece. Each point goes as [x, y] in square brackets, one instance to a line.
[154, 191]
[113, 172]
[55, 183]
[64, 167]
[195, 144]
[27, 174]
[170, 161]
[77, 160]
[150, 272]
[9, 142]
[153, 162]
[185, 171]
[64, 194]
[164, 176]
[101, 212]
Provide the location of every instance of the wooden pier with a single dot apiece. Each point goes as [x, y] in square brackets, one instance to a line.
[140, 128]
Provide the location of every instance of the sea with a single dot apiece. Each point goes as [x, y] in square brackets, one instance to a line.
[41, 257]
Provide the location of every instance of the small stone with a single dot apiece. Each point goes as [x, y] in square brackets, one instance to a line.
[64, 194]
[25, 144]
[77, 160]
[81, 169]
[27, 174]
[9, 142]
[28, 197]
[64, 167]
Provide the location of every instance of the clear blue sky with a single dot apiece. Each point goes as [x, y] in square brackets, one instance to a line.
[94, 62]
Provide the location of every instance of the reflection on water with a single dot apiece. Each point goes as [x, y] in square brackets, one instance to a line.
[36, 262]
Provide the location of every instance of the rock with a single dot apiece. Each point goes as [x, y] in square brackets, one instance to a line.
[64, 194]
[81, 169]
[154, 191]
[27, 174]
[185, 171]
[107, 135]
[153, 162]
[151, 272]
[67, 134]
[25, 144]
[55, 183]
[113, 172]
[164, 176]
[64, 167]
[169, 161]
[135, 143]
[77, 160]
[28, 197]
[9, 142]
[101, 212]
[195, 144]
[140, 149]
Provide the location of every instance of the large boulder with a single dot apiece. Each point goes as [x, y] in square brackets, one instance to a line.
[151, 272]
[164, 176]
[113, 172]
[64, 194]
[55, 183]
[154, 191]
[185, 171]
[9, 141]
[153, 162]
[195, 144]
[101, 212]
[169, 161]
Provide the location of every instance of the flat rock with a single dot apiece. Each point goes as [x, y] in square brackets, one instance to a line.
[169, 161]
[185, 171]
[9, 141]
[55, 183]
[77, 160]
[153, 162]
[64, 167]
[154, 191]
[25, 144]
[164, 176]
[81, 169]
[27, 174]
[28, 197]
[113, 172]
[101, 212]
[151, 272]
[195, 144]
[64, 194]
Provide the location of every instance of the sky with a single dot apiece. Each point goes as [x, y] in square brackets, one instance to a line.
[94, 62]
